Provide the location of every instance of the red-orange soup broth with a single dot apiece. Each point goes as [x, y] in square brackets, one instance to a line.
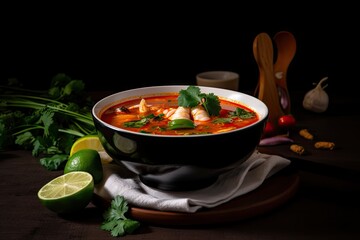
[128, 111]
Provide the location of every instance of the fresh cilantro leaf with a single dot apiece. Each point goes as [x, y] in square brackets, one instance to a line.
[192, 96]
[8, 121]
[118, 229]
[74, 86]
[115, 220]
[25, 139]
[212, 104]
[137, 124]
[39, 145]
[108, 225]
[55, 92]
[47, 120]
[73, 107]
[142, 122]
[222, 120]
[130, 225]
[60, 80]
[242, 113]
[54, 162]
[118, 209]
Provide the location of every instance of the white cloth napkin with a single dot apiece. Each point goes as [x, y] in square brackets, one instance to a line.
[241, 180]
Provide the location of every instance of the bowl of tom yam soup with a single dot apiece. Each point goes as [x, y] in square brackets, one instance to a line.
[179, 137]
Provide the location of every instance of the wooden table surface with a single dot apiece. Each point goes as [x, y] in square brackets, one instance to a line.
[325, 206]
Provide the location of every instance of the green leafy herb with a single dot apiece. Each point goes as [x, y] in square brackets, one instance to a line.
[159, 117]
[242, 113]
[45, 122]
[115, 218]
[54, 162]
[223, 120]
[143, 121]
[192, 96]
[137, 124]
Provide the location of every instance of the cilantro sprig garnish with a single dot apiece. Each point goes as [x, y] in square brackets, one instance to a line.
[192, 96]
[116, 221]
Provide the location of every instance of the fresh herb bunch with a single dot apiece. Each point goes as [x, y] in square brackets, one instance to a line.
[45, 122]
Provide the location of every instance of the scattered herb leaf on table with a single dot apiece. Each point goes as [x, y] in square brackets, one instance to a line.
[116, 221]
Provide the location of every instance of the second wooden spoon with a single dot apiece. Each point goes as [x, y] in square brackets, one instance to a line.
[286, 49]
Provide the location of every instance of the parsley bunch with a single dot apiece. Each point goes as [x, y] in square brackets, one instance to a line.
[115, 220]
[45, 122]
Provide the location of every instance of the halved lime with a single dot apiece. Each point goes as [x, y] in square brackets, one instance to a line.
[70, 192]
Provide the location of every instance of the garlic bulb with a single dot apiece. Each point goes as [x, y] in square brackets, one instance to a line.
[317, 100]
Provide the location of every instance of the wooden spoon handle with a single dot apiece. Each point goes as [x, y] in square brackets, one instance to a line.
[263, 53]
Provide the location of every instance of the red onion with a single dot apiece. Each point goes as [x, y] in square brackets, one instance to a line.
[276, 140]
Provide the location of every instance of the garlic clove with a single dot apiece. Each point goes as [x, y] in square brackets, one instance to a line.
[317, 100]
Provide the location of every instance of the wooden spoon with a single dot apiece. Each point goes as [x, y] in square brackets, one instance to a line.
[286, 49]
[267, 90]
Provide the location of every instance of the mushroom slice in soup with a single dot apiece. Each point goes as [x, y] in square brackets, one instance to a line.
[143, 107]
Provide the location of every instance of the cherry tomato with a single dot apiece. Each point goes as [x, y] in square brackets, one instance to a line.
[287, 121]
[269, 129]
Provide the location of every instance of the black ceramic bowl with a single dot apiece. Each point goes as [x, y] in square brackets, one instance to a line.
[183, 162]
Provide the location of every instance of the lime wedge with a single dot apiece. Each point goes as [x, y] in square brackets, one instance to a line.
[90, 142]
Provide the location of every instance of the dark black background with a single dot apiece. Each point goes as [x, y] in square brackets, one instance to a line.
[121, 47]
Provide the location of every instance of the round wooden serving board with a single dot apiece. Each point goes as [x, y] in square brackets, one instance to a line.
[275, 191]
